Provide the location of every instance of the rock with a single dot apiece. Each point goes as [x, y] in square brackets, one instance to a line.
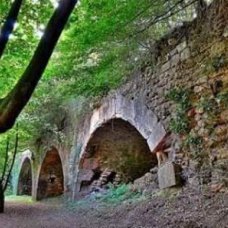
[202, 80]
[225, 32]
[85, 174]
[194, 182]
[154, 170]
[201, 123]
[168, 175]
[217, 187]
[198, 89]
[148, 182]
[224, 116]
[185, 54]
[191, 113]
[221, 130]
[180, 47]
[199, 110]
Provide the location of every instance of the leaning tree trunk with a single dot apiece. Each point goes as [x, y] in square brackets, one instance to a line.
[2, 199]
[18, 97]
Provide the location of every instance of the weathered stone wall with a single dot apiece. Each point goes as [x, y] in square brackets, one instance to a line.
[191, 58]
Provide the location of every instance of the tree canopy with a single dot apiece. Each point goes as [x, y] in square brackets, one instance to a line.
[103, 42]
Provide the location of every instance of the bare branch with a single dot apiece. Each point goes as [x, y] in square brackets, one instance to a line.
[140, 13]
[165, 15]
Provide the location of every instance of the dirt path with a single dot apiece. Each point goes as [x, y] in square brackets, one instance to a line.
[183, 211]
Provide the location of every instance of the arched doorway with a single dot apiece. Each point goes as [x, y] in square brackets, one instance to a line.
[51, 178]
[25, 179]
[116, 152]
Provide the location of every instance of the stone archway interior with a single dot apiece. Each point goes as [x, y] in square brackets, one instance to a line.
[50, 181]
[116, 152]
[25, 179]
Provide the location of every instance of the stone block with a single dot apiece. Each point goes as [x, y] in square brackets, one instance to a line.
[85, 175]
[185, 54]
[168, 175]
[156, 136]
[180, 47]
[175, 60]
[225, 32]
[165, 66]
[90, 163]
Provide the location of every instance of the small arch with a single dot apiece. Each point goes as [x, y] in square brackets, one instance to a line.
[25, 178]
[51, 179]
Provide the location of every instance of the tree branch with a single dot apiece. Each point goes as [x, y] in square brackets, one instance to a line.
[170, 12]
[6, 160]
[8, 26]
[13, 160]
[15, 101]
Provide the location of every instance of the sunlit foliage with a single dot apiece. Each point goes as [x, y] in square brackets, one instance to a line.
[103, 43]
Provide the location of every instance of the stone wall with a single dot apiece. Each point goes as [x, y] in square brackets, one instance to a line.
[191, 58]
[189, 66]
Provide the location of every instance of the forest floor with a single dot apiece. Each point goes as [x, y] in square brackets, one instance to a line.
[174, 208]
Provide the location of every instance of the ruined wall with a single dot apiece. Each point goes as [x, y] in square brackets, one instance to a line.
[187, 73]
[177, 101]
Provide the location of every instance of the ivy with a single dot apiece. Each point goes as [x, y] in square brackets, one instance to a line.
[180, 97]
[180, 122]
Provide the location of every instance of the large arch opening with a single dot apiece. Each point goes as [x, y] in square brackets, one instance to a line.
[25, 179]
[51, 178]
[116, 153]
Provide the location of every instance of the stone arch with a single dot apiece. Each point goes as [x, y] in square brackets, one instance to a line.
[18, 166]
[24, 186]
[50, 178]
[132, 112]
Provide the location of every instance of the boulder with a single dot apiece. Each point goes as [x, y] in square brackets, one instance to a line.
[169, 175]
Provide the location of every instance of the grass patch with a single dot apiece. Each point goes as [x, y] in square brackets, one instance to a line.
[19, 199]
[113, 196]
[119, 194]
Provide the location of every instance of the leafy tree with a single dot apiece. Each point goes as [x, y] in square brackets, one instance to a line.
[103, 43]
[7, 165]
[15, 100]
[13, 103]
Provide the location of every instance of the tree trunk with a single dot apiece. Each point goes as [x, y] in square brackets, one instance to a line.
[2, 199]
[8, 26]
[15, 101]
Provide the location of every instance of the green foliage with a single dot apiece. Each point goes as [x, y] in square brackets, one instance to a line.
[112, 196]
[223, 99]
[19, 199]
[181, 97]
[195, 144]
[119, 194]
[98, 50]
[3, 141]
[219, 62]
[180, 122]
[208, 105]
